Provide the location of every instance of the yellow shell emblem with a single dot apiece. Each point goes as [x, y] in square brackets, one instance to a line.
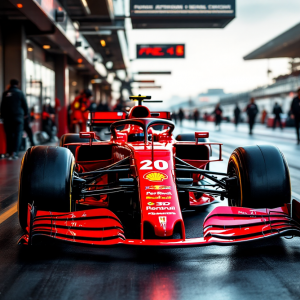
[150, 203]
[155, 176]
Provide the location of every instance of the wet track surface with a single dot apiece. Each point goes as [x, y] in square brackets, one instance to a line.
[51, 270]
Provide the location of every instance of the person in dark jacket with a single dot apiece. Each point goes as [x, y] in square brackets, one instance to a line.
[14, 110]
[295, 110]
[180, 116]
[103, 107]
[277, 111]
[252, 111]
[196, 116]
[237, 113]
[218, 116]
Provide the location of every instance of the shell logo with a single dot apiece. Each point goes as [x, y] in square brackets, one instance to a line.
[155, 176]
[150, 203]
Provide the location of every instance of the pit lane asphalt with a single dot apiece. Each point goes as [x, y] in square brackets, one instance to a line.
[269, 269]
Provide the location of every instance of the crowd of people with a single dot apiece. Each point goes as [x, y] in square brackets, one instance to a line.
[17, 117]
[251, 110]
[81, 106]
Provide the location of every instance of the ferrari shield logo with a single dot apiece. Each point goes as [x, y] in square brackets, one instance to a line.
[163, 221]
[155, 176]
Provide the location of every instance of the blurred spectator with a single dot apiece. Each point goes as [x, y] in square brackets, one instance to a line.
[27, 127]
[196, 116]
[93, 106]
[277, 111]
[79, 114]
[48, 117]
[14, 111]
[218, 116]
[180, 116]
[264, 114]
[118, 106]
[205, 117]
[252, 111]
[174, 117]
[237, 113]
[295, 109]
[103, 107]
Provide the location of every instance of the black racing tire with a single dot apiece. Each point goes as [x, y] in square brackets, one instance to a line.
[263, 177]
[190, 137]
[46, 179]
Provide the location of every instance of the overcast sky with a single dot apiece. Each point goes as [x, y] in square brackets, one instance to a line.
[214, 57]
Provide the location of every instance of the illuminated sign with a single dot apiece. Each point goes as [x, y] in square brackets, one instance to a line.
[181, 13]
[160, 51]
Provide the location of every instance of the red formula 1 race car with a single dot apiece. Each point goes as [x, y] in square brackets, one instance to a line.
[133, 189]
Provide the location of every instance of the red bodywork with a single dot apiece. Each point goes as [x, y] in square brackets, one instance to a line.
[152, 164]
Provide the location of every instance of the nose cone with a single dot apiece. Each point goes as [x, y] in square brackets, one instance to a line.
[163, 224]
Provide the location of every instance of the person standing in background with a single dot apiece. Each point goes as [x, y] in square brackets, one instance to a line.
[237, 113]
[180, 116]
[27, 127]
[196, 116]
[14, 110]
[218, 116]
[277, 111]
[174, 116]
[79, 109]
[295, 109]
[252, 111]
[263, 116]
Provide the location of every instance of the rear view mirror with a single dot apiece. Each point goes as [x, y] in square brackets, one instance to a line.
[201, 134]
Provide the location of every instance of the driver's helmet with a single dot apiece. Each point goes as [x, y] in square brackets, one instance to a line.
[136, 134]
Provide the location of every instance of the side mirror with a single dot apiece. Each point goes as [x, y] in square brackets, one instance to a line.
[88, 135]
[201, 134]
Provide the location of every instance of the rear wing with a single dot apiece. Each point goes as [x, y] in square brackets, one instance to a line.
[105, 118]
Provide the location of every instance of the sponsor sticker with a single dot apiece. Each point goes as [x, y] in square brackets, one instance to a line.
[159, 193]
[155, 176]
[160, 208]
[159, 203]
[161, 213]
[158, 187]
[150, 197]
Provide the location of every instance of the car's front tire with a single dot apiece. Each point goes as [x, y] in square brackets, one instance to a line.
[263, 177]
[46, 180]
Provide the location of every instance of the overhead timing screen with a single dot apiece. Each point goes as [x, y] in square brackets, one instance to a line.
[181, 13]
[160, 51]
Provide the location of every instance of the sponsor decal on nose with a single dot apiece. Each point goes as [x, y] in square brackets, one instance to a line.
[158, 187]
[155, 176]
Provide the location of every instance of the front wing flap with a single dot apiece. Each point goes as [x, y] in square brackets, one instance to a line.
[222, 226]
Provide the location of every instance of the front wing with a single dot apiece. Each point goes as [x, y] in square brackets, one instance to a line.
[222, 226]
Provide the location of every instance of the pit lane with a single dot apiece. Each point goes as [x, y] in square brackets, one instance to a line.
[64, 271]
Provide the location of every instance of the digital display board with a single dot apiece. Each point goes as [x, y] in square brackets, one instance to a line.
[181, 13]
[160, 51]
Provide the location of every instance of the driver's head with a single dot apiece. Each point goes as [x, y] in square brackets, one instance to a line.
[298, 92]
[252, 100]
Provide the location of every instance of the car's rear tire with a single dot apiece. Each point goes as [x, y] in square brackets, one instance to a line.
[46, 179]
[263, 177]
